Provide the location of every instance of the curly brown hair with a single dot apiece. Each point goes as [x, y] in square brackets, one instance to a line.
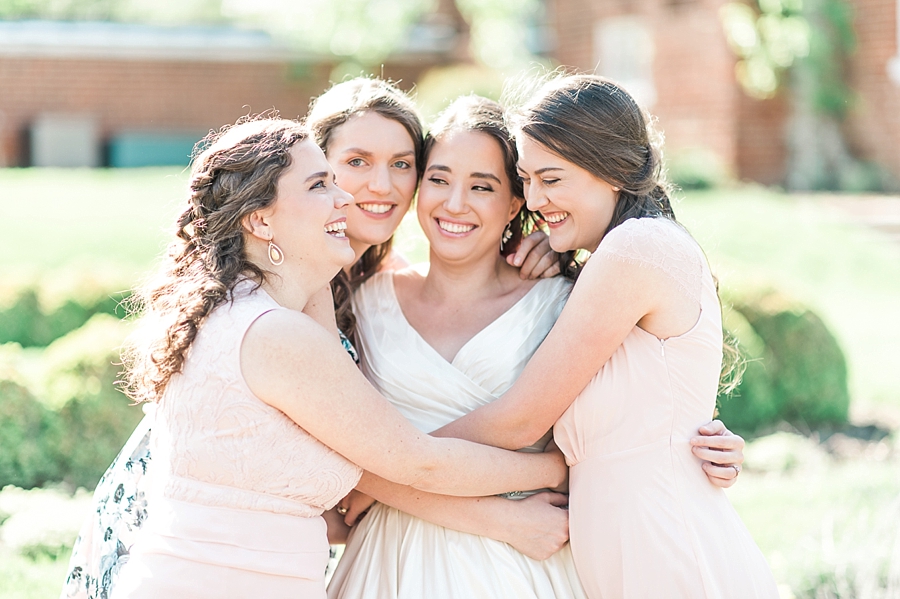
[327, 113]
[236, 174]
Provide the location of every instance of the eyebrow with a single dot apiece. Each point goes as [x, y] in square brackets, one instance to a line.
[446, 169]
[367, 153]
[318, 175]
[541, 171]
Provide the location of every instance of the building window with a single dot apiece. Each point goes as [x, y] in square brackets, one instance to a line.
[623, 50]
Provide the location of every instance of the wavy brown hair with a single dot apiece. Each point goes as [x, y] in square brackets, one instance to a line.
[474, 113]
[327, 113]
[236, 174]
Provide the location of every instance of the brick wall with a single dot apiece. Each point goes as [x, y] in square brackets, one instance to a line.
[692, 67]
[874, 125]
[177, 96]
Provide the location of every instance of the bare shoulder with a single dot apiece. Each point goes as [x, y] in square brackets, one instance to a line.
[409, 280]
[285, 329]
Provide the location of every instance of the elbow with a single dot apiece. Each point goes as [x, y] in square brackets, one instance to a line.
[523, 434]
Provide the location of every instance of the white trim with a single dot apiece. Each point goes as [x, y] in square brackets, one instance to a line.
[119, 41]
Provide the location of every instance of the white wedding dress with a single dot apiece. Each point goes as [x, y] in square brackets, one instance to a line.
[392, 555]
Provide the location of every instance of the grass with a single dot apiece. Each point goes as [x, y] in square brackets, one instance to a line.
[826, 524]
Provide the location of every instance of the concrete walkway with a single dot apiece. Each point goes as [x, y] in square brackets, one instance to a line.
[880, 212]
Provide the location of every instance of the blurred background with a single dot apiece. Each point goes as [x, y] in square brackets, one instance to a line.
[782, 129]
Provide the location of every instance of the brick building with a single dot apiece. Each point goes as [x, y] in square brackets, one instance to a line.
[674, 56]
[102, 88]
[131, 84]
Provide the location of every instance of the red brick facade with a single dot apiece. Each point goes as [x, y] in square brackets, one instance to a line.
[699, 103]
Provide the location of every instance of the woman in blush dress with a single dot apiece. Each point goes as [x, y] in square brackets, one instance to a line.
[262, 417]
[632, 365]
[439, 345]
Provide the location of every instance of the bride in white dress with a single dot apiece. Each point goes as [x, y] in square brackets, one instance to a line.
[435, 373]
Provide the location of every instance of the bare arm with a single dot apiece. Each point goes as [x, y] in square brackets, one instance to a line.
[293, 364]
[536, 526]
[610, 298]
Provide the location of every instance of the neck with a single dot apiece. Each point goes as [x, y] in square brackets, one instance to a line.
[470, 281]
[359, 248]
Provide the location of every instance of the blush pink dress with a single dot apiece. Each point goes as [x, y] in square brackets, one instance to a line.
[237, 489]
[644, 521]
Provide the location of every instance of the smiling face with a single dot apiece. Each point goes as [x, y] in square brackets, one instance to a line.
[374, 160]
[576, 205]
[465, 200]
[309, 216]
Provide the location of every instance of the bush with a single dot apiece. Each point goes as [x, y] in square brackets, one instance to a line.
[696, 168]
[26, 319]
[94, 416]
[41, 522]
[796, 371]
[28, 438]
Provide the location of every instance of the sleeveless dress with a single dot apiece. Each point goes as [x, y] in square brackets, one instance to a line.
[393, 555]
[237, 489]
[643, 520]
[119, 509]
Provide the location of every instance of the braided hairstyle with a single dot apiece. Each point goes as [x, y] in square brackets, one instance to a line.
[236, 174]
[596, 125]
[327, 113]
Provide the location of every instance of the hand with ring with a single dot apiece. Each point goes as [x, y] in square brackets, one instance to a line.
[722, 453]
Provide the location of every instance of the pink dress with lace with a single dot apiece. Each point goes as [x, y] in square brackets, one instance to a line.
[238, 488]
[644, 521]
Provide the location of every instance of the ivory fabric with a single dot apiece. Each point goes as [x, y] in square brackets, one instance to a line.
[392, 555]
[644, 521]
[238, 488]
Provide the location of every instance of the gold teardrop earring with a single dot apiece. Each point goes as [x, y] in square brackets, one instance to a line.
[276, 256]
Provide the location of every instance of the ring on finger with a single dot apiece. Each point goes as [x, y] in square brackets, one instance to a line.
[342, 510]
[737, 470]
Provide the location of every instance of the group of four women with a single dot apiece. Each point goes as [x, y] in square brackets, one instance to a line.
[263, 423]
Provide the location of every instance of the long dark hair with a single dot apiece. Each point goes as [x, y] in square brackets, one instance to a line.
[327, 113]
[474, 113]
[595, 124]
[235, 175]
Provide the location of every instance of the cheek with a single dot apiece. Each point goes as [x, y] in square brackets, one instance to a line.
[349, 180]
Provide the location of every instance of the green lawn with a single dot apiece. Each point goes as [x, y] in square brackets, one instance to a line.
[820, 521]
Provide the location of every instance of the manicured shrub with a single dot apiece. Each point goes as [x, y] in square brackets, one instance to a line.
[27, 318]
[94, 417]
[796, 371]
[28, 438]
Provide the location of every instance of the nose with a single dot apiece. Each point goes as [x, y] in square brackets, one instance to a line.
[533, 198]
[342, 199]
[456, 200]
[380, 182]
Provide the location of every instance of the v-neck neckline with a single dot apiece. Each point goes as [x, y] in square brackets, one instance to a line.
[484, 330]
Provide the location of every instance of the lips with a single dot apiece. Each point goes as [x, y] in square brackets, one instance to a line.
[455, 228]
[337, 228]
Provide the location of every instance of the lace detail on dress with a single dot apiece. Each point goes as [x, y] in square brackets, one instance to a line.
[658, 243]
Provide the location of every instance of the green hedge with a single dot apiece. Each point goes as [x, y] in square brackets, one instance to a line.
[795, 369]
[72, 427]
[24, 319]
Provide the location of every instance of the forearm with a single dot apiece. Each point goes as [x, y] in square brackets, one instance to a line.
[464, 469]
[494, 424]
[483, 516]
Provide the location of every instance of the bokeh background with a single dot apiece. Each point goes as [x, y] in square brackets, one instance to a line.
[782, 128]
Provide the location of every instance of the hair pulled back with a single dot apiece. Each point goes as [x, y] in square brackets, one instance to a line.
[475, 113]
[235, 175]
[327, 113]
[595, 124]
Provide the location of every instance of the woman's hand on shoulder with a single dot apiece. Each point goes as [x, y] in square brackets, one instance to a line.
[538, 525]
[534, 257]
[722, 453]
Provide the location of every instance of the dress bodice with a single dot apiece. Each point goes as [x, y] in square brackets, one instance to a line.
[212, 434]
[651, 389]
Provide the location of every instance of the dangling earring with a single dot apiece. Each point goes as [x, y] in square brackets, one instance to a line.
[276, 256]
[507, 235]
